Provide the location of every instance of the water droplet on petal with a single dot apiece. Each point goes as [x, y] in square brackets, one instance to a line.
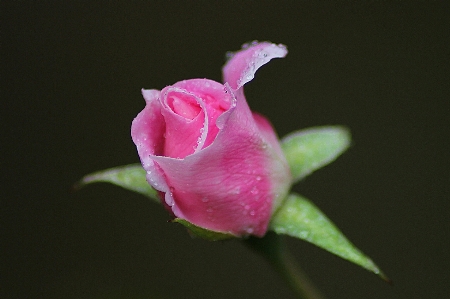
[236, 190]
[229, 55]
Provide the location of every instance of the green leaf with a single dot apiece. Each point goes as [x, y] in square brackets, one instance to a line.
[130, 177]
[298, 217]
[310, 149]
[203, 232]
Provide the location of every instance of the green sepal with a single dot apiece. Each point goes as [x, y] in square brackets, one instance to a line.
[130, 177]
[298, 217]
[310, 149]
[203, 232]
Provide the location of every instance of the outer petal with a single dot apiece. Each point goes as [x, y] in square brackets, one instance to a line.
[242, 65]
[147, 132]
[280, 171]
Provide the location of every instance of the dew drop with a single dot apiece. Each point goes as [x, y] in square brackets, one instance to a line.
[252, 212]
[254, 190]
[236, 190]
[169, 199]
[205, 199]
[258, 178]
[249, 230]
[229, 55]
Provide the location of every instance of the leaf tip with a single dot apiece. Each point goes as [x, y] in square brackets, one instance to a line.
[385, 278]
[372, 267]
[87, 179]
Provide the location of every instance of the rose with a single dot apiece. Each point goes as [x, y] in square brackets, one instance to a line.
[215, 163]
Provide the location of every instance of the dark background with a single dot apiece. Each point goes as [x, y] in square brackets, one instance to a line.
[71, 79]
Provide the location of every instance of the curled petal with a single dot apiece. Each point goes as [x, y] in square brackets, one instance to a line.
[243, 64]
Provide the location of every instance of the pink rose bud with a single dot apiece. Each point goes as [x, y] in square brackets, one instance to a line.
[216, 164]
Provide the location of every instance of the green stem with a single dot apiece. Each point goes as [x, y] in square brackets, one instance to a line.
[274, 250]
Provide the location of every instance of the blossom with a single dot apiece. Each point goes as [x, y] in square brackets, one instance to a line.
[215, 163]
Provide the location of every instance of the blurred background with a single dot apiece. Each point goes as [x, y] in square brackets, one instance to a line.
[71, 75]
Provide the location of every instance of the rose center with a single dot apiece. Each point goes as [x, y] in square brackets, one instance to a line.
[185, 107]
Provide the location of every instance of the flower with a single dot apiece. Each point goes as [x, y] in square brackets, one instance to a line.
[215, 163]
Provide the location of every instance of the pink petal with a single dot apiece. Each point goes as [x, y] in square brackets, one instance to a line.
[243, 64]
